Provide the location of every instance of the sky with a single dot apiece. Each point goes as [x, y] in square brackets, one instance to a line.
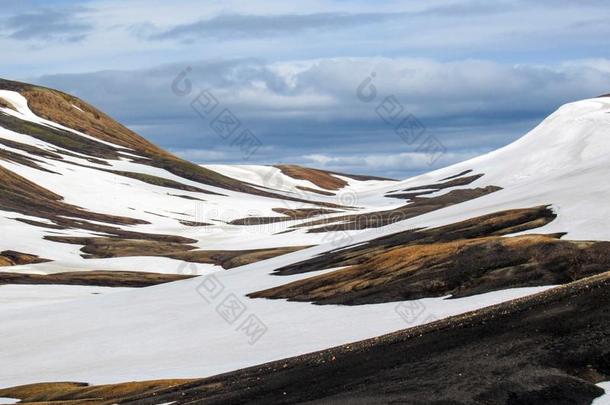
[389, 88]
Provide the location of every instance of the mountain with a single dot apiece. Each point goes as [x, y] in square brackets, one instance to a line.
[483, 282]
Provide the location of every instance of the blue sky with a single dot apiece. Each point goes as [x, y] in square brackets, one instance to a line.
[475, 74]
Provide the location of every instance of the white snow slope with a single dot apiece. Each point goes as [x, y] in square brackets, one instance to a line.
[180, 330]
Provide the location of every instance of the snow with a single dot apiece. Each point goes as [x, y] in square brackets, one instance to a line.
[604, 399]
[563, 162]
[19, 102]
[274, 178]
[264, 176]
[15, 297]
[8, 401]
[77, 107]
[170, 331]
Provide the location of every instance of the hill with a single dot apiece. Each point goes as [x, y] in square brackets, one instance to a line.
[106, 233]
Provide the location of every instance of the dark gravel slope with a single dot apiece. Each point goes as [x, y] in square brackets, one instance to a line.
[551, 348]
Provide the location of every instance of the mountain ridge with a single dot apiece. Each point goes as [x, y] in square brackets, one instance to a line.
[132, 237]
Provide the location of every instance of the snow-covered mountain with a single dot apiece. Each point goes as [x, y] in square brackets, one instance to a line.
[292, 260]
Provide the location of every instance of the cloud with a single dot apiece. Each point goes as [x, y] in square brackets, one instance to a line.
[507, 30]
[383, 162]
[309, 112]
[46, 25]
[478, 74]
[231, 26]
[202, 155]
[469, 8]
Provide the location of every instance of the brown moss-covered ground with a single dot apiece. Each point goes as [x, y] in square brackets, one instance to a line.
[320, 178]
[459, 268]
[288, 215]
[5, 104]
[74, 393]
[315, 191]
[452, 181]
[229, 259]
[97, 278]
[496, 224]
[13, 258]
[417, 206]
[466, 258]
[100, 248]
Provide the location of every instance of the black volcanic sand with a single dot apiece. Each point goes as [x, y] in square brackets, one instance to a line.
[550, 348]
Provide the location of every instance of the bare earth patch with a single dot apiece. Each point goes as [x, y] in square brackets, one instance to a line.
[64, 393]
[497, 224]
[289, 215]
[12, 258]
[5, 104]
[459, 268]
[97, 278]
[452, 181]
[418, 206]
[462, 259]
[320, 178]
[100, 248]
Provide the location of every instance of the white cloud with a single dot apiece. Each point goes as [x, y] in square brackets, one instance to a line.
[511, 29]
[598, 64]
[384, 162]
[327, 88]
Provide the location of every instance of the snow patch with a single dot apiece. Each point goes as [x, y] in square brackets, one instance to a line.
[604, 399]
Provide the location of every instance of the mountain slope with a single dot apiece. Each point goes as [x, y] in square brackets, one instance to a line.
[380, 255]
[78, 177]
[501, 350]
